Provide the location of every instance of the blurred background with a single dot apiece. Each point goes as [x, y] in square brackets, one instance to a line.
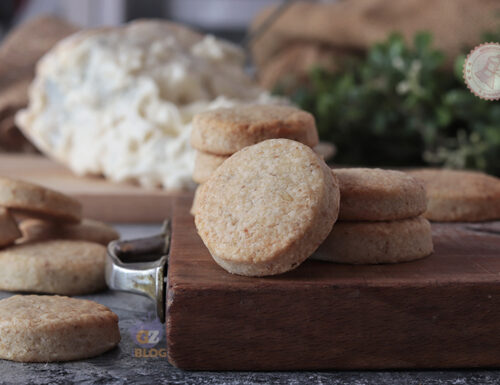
[226, 18]
[383, 78]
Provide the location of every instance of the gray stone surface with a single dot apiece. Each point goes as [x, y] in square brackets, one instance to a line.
[120, 366]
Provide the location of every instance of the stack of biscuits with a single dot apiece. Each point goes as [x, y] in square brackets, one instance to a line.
[46, 247]
[274, 202]
[380, 219]
[51, 249]
[218, 134]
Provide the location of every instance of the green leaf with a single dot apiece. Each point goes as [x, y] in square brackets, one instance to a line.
[422, 41]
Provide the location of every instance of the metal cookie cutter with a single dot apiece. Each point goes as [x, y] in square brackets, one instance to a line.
[140, 266]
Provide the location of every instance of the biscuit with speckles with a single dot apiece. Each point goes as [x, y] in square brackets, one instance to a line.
[372, 194]
[36, 328]
[377, 242]
[460, 196]
[32, 200]
[88, 230]
[267, 208]
[9, 231]
[64, 267]
[225, 131]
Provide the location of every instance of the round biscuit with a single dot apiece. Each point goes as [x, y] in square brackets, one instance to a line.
[9, 231]
[224, 131]
[372, 194]
[205, 164]
[32, 200]
[35, 328]
[460, 196]
[87, 230]
[64, 267]
[267, 208]
[377, 242]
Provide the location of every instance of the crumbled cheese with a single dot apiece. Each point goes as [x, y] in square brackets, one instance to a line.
[119, 102]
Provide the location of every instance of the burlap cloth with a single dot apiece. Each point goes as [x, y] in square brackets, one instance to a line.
[19, 53]
[310, 32]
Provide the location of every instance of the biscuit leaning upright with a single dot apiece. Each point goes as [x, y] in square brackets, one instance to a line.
[36, 201]
[37, 328]
[267, 208]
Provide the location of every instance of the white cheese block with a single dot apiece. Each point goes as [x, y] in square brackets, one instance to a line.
[119, 101]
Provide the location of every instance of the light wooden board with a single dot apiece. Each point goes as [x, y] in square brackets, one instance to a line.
[101, 199]
[439, 312]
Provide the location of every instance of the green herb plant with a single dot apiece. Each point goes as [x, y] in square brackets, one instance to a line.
[400, 107]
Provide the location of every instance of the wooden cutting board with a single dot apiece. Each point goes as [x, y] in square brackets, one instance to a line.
[101, 199]
[440, 312]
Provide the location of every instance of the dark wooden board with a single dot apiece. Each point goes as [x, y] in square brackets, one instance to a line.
[440, 312]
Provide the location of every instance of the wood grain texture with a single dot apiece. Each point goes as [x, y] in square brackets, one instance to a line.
[440, 312]
[101, 199]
